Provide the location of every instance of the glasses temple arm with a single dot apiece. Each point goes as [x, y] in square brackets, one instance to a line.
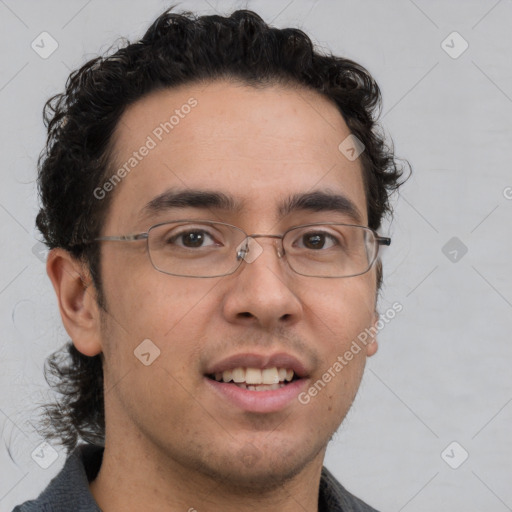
[123, 238]
[383, 240]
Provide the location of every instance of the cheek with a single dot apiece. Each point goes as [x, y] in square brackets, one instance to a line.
[338, 318]
[146, 302]
[344, 308]
[174, 314]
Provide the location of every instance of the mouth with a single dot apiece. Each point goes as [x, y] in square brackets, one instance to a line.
[258, 383]
[256, 379]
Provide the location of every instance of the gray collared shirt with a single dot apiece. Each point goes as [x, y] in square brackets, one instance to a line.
[69, 490]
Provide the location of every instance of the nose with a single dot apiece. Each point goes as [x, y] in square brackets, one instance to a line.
[263, 291]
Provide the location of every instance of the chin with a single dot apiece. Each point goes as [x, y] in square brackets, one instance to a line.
[251, 470]
[262, 477]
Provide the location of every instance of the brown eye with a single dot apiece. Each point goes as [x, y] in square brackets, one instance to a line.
[313, 241]
[192, 239]
[317, 241]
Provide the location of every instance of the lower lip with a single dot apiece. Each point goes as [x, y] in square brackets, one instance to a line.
[258, 401]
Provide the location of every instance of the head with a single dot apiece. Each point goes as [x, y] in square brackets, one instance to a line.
[259, 118]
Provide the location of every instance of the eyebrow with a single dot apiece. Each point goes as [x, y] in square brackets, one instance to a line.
[190, 199]
[319, 201]
[316, 201]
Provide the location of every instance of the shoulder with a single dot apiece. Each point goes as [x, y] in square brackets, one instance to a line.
[69, 489]
[335, 498]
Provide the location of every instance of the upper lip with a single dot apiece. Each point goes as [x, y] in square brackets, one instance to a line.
[261, 361]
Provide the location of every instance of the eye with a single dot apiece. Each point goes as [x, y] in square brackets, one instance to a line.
[192, 239]
[317, 240]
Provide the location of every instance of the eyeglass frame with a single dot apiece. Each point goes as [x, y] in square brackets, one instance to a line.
[379, 241]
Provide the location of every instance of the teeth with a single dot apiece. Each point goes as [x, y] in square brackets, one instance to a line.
[255, 376]
[270, 376]
[238, 375]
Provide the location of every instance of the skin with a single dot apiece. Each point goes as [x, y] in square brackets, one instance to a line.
[171, 443]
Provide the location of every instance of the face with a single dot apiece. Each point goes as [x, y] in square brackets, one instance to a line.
[259, 148]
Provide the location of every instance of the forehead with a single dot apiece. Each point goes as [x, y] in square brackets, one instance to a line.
[256, 145]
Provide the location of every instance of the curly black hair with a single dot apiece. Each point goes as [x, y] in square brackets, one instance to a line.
[177, 49]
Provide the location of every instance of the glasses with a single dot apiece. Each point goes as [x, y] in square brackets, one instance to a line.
[197, 248]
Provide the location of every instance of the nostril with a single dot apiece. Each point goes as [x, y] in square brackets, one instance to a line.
[246, 314]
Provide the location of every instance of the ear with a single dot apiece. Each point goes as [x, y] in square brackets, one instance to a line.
[77, 300]
[371, 348]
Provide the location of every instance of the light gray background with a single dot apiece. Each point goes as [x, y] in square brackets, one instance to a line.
[443, 370]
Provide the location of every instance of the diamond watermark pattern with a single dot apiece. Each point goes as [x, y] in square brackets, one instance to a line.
[454, 455]
[45, 455]
[351, 147]
[249, 250]
[249, 455]
[454, 249]
[454, 45]
[40, 251]
[147, 352]
[44, 45]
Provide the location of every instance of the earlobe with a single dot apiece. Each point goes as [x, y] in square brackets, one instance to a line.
[77, 301]
[371, 348]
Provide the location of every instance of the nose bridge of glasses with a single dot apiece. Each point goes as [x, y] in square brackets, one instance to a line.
[249, 250]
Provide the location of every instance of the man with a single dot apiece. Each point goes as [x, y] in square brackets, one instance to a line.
[211, 197]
